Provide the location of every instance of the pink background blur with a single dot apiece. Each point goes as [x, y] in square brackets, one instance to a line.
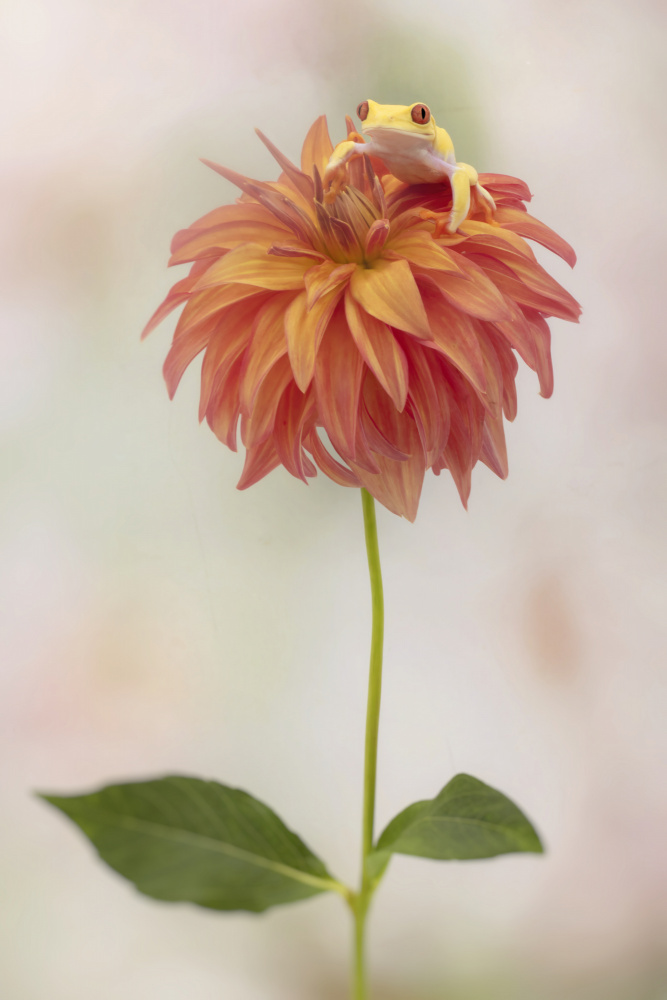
[155, 620]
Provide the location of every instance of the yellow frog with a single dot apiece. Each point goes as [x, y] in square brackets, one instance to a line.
[412, 147]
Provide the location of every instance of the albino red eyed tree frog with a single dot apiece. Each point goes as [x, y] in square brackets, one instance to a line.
[414, 149]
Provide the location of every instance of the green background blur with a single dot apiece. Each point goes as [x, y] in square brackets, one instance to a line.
[155, 620]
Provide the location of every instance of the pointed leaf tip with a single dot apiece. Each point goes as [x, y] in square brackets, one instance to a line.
[184, 839]
[468, 820]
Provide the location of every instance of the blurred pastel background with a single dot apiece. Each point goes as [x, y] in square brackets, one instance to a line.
[155, 620]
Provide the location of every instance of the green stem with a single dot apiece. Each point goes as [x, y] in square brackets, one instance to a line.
[363, 898]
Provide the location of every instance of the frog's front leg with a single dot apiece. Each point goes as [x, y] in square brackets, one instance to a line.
[460, 177]
[335, 172]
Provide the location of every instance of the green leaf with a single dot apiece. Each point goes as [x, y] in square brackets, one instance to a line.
[467, 820]
[198, 841]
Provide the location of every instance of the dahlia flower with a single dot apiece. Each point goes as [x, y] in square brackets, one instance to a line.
[353, 337]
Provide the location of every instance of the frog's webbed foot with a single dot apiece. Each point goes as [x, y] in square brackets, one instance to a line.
[441, 220]
[336, 173]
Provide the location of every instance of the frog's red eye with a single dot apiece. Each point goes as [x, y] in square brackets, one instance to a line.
[421, 114]
[362, 111]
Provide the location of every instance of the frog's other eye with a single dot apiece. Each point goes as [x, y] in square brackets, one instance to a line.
[362, 111]
[420, 114]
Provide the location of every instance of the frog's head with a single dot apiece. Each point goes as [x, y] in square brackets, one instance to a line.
[414, 119]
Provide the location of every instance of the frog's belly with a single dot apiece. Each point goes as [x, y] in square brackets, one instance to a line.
[409, 160]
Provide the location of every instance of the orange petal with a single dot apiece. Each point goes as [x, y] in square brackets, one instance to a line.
[250, 264]
[494, 448]
[493, 373]
[182, 352]
[398, 484]
[324, 277]
[338, 374]
[259, 461]
[202, 305]
[376, 237]
[482, 234]
[177, 295]
[303, 182]
[530, 272]
[514, 221]
[223, 411]
[268, 344]
[230, 337]
[454, 334]
[304, 329]
[509, 367]
[317, 147]
[295, 415]
[340, 474]
[478, 296]
[501, 184]
[419, 247]
[380, 350]
[210, 242]
[389, 292]
[543, 364]
[560, 304]
[428, 400]
[258, 424]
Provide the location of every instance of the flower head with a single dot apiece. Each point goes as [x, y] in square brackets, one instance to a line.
[353, 319]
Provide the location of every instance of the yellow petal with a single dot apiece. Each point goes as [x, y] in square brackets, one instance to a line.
[420, 248]
[380, 350]
[389, 292]
[250, 264]
[317, 147]
[304, 329]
